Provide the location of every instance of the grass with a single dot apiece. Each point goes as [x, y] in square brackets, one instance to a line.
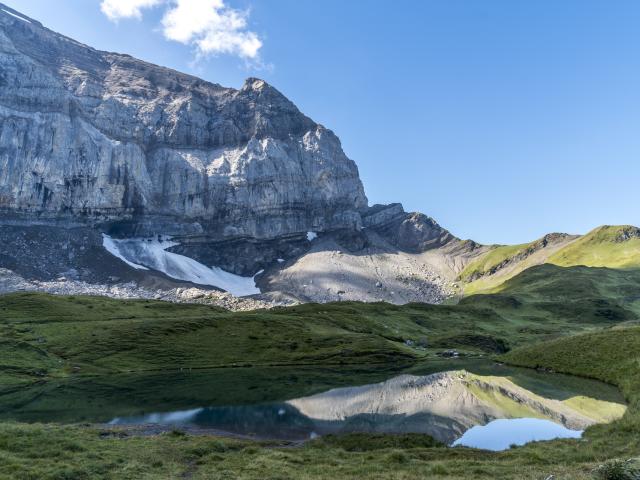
[109, 336]
[606, 246]
[612, 247]
[52, 337]
[550, 284]
[105, 347]
[57, 452]
[493, 260]
[610, 355]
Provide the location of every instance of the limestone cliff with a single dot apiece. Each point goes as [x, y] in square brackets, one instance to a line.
[102, 138]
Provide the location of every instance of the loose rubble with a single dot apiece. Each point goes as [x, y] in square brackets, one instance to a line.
[12, 282]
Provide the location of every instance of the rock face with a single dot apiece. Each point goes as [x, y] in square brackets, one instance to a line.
[104, 139]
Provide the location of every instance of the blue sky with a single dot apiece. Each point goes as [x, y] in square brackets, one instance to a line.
[503, 120]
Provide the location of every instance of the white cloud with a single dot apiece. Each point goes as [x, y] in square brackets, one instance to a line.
[212, 27]
[117, 9]
[209, 25]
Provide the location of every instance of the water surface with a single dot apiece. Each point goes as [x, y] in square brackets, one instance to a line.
[477, 404]
[506, 432]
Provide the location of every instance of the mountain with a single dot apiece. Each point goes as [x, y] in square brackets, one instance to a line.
[96, 143]
[128, 179]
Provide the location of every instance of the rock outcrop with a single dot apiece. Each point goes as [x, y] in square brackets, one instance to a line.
[410, 232]
[104, 139]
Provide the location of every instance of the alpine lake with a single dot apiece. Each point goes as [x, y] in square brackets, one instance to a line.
[459, 402]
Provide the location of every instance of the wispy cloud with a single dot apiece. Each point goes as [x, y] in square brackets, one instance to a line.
[210, 26]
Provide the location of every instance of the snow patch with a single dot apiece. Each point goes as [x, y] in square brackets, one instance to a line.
[152, 253]
[110, 245]
[16, 16]
[311, 236]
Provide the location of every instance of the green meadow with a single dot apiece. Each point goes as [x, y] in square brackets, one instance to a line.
[577, 320]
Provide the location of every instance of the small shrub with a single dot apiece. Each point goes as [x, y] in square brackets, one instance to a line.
[217, 446]
[250, 450]
[439, 469]
[199, 451]
[618, 470]
[397, 456]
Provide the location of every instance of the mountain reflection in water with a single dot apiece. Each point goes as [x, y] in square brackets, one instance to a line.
[444, 405]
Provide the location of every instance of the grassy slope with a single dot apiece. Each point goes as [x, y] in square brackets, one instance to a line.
[606, 246]
[53, 337]
[83, 335]
[546, 300]
[602, 247]
[550, 284]
[499, 265]
[492, 259]
[611, 355]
